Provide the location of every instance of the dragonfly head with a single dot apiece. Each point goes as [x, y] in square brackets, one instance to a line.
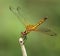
[24, 33]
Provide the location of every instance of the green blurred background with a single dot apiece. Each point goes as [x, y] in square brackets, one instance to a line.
[37, 44]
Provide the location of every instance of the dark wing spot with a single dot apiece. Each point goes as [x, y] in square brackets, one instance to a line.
[53, 34]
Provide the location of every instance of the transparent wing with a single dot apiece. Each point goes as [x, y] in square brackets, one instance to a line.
[47, 31]
[21, 13]
[16, 12]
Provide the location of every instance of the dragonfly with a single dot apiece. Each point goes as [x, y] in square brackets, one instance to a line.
[30, 27]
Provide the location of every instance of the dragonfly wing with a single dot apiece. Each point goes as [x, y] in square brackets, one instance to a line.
[15, 12]
[47, 31]
[21, 13]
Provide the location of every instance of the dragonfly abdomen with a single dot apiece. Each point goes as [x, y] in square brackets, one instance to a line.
[40, 22]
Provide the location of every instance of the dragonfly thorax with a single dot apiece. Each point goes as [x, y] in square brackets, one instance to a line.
[30, 28]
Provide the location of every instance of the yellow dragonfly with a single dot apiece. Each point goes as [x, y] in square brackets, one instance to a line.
[29, 28]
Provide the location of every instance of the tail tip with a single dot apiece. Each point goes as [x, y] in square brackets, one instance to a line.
[45, 18]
